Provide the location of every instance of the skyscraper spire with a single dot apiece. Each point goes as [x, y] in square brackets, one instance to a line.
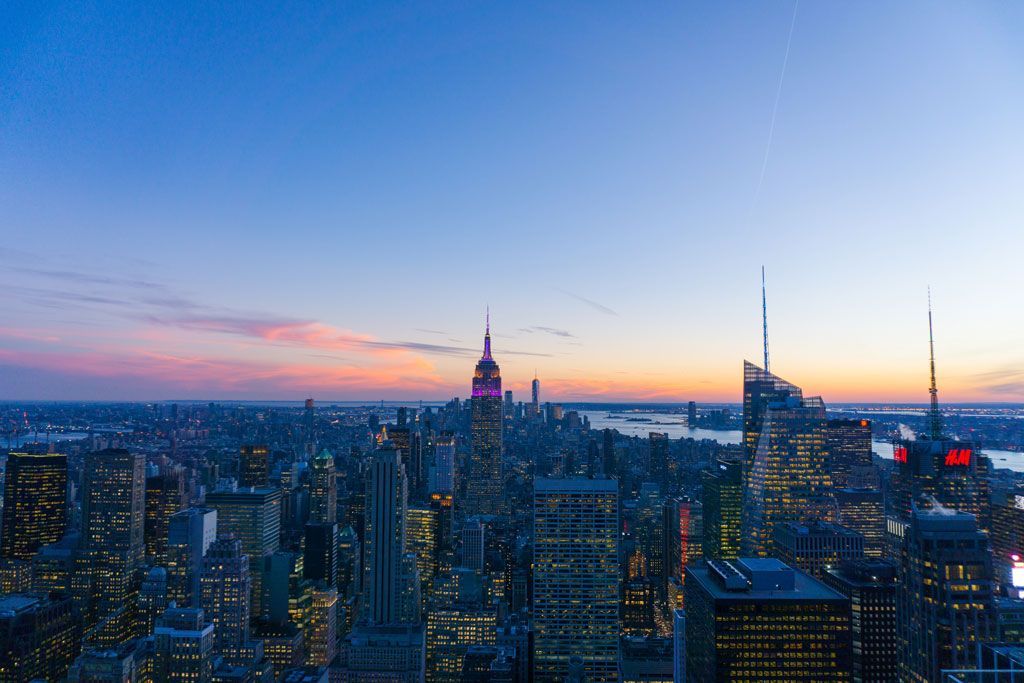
[934, 416]
[764, 320]
[487, 336]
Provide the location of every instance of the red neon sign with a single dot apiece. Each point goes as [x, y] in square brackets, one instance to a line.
[899, 454]
[958, 456]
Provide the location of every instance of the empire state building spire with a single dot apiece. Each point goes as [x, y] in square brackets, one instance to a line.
[487, 337]
[483, 484]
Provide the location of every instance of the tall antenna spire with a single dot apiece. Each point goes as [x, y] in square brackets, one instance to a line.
[935, 417]
[487, 336]
[764, 320]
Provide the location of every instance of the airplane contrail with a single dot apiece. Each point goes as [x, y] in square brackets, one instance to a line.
[775, 108]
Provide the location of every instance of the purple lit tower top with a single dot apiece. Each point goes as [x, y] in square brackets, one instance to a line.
[487, 378]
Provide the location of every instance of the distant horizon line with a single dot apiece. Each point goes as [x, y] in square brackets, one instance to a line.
[401, 402]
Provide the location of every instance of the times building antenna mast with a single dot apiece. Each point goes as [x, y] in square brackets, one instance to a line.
[935, 417]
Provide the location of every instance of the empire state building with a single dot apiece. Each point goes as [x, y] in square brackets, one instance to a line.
[483, 486]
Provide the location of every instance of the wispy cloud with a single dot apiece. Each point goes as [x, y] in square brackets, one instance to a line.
[589, 302]
[549, 330]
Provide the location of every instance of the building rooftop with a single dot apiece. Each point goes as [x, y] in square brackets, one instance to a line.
[576, 484]
[749, 579]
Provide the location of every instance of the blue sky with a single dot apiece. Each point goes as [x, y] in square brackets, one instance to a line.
[259, 201]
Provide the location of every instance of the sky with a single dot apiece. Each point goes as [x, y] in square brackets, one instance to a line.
[280, 200]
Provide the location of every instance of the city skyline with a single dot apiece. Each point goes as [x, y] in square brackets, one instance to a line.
[236, 223]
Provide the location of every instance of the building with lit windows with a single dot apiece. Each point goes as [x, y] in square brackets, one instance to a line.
[683, 537]
[253, 466]
[756, 619]
[944, 470]
[484, 495]
[722, 504]
[225, 589]
[34, 503]
[576, 577]
[945, 600]
[323, 489]
[871, 586]
[183, 647]
[1007, 538]
[816, 547]
[422, 536]
[189, 534]
[787, 476]
[863, 511]
[113, 513]
[165, 495]
[322, 639]
[849, 446]
[38, 637]
[253, 516]
[451, 630]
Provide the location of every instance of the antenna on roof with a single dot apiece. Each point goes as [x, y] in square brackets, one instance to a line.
[764, 319]
[935, 417]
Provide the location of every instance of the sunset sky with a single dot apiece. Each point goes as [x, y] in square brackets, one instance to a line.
[323, 198]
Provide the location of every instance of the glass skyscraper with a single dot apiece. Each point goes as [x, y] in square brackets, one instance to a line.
[786, 467]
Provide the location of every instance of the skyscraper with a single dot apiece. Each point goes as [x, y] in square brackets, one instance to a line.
[38, 637]
[189, 534]
[609, 463]
[937, 468]
[320, 556]
[946, 602]
[184, 644]
[387, 642]
[863, 511]
[322, 640]
[535, 396]
[756, 619]
[442, 475]
[34, 503]
[253, 465]
[576, 577]
[165, 495]
[384, 545]
[816, 547]
[323, 489]
[658, 469]
[226, 586]
[484, 484]
[849, 446]
[723, 503]
[871, 586]
[253, 516]
[113, 509]
[787, 476]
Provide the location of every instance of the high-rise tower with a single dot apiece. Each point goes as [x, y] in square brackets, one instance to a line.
[934, 467]
[786, 474]
[35, 501]
[535, 396]
[483, 489]
[323, 489]
[113, 511]
[576, 577]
